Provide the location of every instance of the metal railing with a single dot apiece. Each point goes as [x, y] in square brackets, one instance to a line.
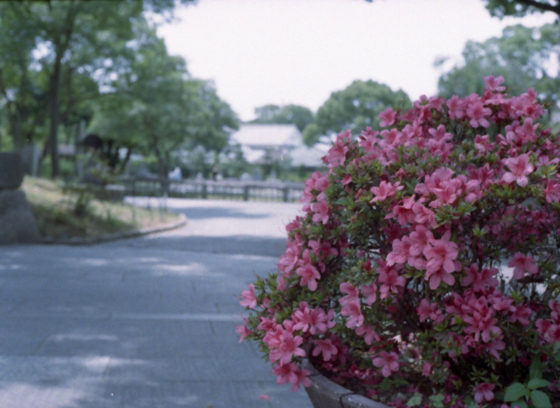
[224, 189]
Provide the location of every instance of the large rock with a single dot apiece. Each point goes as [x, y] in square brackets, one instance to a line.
[17, 223]
[11, 171]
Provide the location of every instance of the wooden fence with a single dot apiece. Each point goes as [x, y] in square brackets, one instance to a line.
[226, 189]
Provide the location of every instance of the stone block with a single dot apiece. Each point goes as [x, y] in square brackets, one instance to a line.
[323, 392]
[11, 171]
[359, 401]
[17, 223]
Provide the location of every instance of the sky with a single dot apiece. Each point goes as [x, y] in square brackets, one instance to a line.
[261, 52]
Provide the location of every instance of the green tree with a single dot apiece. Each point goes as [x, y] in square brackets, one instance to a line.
[520, 8]
[287, 114]
[157, 107]
[66, 28]
[355, 108]
[22, 94]
[522, 55]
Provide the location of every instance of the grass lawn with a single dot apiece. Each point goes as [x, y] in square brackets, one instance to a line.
[61, 213]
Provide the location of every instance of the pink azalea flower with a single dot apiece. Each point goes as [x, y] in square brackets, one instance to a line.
[403, 251]
[480, 280]
[526, 132]
[288, 347]
[436, 277]
[347, 180]
[441, 253]
[403, 213]
[552, 191]
[482, 324]
[501, 303]
[266, 324]
[484, 392]
[421, 237]
[371, 292]
[482, 144]
[429, 310]
[326, 347]
[455, 106]
[389, 362]
[519, 168]
[368, 334]
[555, 307]
[521, 264]
[440, 134]
[309, 276]
[353, 310]
[264, 397]
[337, 153]
[321, 212]
[273, 337]
[427, 369]
[493, 83]
[478, 113]
[319, 321]
[553, 334]
[249, 297]
[289, 260]
[521, 314]
[302, 317]
[322, 249]
[242, 330]
[495, 347]
[388, 117]
[352, 293]
[390, 279]
[384, 191]
[290, 373]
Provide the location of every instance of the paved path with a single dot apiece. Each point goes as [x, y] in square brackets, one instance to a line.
[142, 323]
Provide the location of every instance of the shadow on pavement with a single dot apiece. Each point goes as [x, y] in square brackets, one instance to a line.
[198, 213]
[236, 244]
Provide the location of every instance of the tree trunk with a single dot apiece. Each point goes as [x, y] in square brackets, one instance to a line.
[126, 160]
[163, 167]
[54, 113]
[61, 42]
[15, 127]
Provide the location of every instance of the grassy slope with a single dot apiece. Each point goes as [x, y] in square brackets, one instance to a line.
[58, 212]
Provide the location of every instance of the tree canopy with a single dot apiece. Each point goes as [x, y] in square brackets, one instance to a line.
[60, 40]
[522, 55]
[287, 114]
[355, 108]
[520, 8]
[156, 107]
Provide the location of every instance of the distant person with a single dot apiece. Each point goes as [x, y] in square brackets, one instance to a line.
[215, 173]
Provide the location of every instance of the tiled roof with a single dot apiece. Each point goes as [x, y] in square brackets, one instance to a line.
[267, 135]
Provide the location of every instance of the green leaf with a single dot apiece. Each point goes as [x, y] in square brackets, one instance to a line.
[415, 400]
[515, 391]
[540, 399]
[519, 403]
[537, 383]
[536, 369]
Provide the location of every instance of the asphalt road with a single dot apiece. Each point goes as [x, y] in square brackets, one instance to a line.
[142, 323]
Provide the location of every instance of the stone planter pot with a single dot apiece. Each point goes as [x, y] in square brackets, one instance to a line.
[324, 393]
[11, 171]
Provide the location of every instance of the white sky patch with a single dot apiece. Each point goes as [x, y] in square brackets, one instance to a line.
[300, 51]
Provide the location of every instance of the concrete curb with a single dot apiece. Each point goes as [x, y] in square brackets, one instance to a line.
[114, 237]
[324, 393]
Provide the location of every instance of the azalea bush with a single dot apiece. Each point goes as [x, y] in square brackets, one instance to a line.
[423, 270]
